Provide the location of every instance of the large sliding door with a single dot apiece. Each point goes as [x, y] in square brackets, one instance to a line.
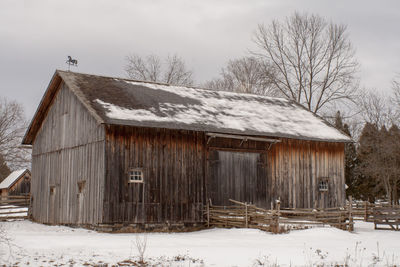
[235, 175]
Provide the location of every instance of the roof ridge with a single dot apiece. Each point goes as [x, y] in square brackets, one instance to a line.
[172, 85]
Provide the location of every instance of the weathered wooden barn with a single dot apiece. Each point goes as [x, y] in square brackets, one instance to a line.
[18, 183]
[110, 150]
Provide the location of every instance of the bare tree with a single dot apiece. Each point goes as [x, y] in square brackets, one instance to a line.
[396, 97]
[245, 75]
[151, 68]
[376, 109]
[314, 62]
[12, 129]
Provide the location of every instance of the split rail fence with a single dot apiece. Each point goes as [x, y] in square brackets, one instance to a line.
[388, 216]
[381, 214]
[14, 207]
[276, 220]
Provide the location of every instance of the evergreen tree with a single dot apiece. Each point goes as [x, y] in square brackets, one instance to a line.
[392, 159]
[350, 157]
[366, 186]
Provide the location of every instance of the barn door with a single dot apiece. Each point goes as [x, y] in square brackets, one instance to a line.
[237, 175]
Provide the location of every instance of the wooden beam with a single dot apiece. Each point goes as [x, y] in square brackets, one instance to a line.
[244, 137]
[238, 149]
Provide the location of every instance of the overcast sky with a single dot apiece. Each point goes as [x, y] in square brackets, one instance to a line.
[37, 36]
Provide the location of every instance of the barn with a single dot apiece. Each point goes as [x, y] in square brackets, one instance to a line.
[16, 184]
[116, 151]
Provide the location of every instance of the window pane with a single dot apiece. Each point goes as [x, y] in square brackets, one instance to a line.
[135, 175]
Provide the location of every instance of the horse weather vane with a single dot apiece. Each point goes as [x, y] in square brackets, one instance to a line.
[71, 62]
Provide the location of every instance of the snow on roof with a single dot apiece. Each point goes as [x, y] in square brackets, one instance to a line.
[12, 178]
[144, 104]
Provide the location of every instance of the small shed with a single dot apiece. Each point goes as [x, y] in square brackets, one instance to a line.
[16, 184]
[109, 150]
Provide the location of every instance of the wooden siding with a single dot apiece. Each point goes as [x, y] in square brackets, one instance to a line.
[292, 174]
[68, 149]
[173, 165]
[294, 170]
[182, 170]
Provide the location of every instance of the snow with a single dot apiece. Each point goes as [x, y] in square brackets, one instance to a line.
[19, 211]
[7, 182]
[37, 244]
[228, 110]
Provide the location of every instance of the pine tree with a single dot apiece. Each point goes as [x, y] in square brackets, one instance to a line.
[392, 149]
[367, 168]
[350, 157]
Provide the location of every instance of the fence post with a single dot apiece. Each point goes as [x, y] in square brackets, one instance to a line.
[226, 219]
[351, 225]
[275, 217]
[272, 225]
[208, 214]
[279, 214]
[366, 211]
[246, 223]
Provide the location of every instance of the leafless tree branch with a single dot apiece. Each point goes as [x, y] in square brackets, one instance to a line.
[12, 130]
[151, 68]
[245, 75]
[313, 61]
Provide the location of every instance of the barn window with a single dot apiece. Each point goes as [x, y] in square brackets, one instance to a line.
[135, 175]
[323, 184]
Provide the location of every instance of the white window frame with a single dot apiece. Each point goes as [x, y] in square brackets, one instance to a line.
[323, 184]
[135, 175]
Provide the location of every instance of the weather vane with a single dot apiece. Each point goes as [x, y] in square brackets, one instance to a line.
[71, 62]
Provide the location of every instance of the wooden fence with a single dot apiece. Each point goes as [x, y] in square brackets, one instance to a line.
[378, 213]
[276, 220]
[338, 217]
[242, 215]
[364, 210]
[388, 216]
[14, 207]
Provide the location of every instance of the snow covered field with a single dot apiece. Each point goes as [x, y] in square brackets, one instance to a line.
[35, 244]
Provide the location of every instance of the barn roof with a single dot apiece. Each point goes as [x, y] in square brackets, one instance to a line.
[11, 179]
[118, 101]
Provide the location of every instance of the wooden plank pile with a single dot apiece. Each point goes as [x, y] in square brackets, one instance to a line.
[14, 207]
